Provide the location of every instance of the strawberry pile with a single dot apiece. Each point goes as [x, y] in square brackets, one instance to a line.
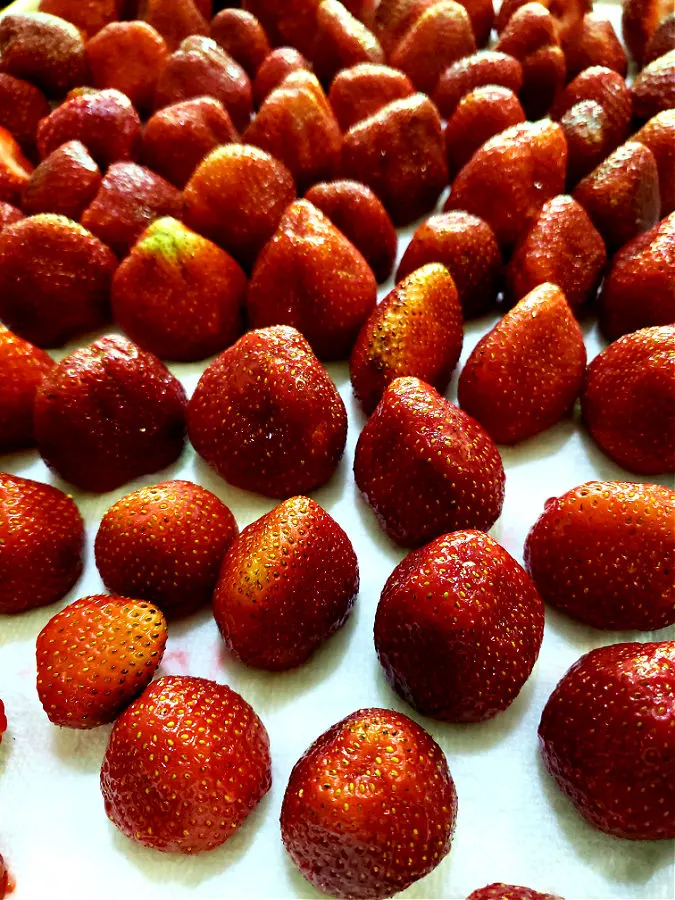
[222, 184]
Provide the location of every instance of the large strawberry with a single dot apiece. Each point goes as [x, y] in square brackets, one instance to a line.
[287, 583]
[607, 736]
[500, 891]
[373, 783]
[214, 769]
[22, 368]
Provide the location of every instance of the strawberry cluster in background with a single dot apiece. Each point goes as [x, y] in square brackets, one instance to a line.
[223, 185]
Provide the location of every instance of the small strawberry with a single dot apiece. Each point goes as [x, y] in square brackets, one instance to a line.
[640, 19]
[274, 69]
[175, 20]
[362, 90]
[22, 368]
[9, 214]
[608, 89]
[500, 891]
[22, 106]
[662, 40]
[372, 784]
[591, 137]
[467, 74]
[41, 544]
[628, 403]
[659, 135]
[15, 169]
[596, 44]
[215, 765]
[242, 37]
[267, 416]
[90, 16]
[607, 736]
[654, 88]
[568, 15]
[64, 183]
[341, 41]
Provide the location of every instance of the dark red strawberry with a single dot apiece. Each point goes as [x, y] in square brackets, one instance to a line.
[41, 544]
[654, 88]
[374, 782]
[15, 169]
[242, 37]
[341, 41]
[595, 45]
[467, 74]
[64, 183]
[659, 135]
[22, 106]
[90, 16]
[501, 891]
[9, 214]
[591, 137]
[22, 368]
[6, 881]
[362, 90]
[482, 15]
[274, 69]
[662, 40]
[3, 729]
[609, 90]
[215, 765]
[619, 696]
[175, 20]
[291, 22]
[640, 19]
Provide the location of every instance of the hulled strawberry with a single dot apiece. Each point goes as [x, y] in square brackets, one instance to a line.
[22, 368]
[64, 183]
[500, 891]
[364, 89]
[471, 72]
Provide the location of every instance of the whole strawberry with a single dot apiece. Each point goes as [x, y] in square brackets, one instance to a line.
[654, 88]
[659, 135]
[274, 69]
[95, 657]
[41, 544]
[341, 41]
[64, 183]
[471, 72]
[287, 583]
[372, 782]
[22, 368]
[43, 49]
[607, 736]
[176, 19]
[22, 106]
[241, 36]
[364, 89]
[596, 44]
[215, 765]
[509, 892]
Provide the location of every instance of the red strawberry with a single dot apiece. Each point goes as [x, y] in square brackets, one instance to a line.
[54, 279]
[608, 89]
[529, 27]
[595, 45]
[619, 696]
[373, 782]
[215, 765]
[591, 137]
[482, 68]
[6, 881]
[458, 628]
[426, 467]
[267, 416]
[480, 115]
[41, 544]
[3, 729]
[291, 22]
[568, 15]
[311, 277]
[362, 90]
[274, 69]
[654, 88]
[175, 20]
[364, 10]
[482, 15]
[109, 413]
[64, 183]
[22, 106]
[500, 891]
[640, 19]
[22, 368]
[628, 403]
[90, 16]
[341, 41]
[659, 135]
[287, 583]
[416, 330]
[9, 214]
[242, 37]
[15, 169]
[561, 247]
[662, 40]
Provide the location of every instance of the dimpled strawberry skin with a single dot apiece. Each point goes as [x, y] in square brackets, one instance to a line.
[501, 891]
[22, 368]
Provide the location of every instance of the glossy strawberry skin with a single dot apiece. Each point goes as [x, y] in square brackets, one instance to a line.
[242, 37]
[621, 694]
[175, 20]
[471, 72]
[64, 183]
[274, 69]
[596, 44]
[609, 90]
[89, 16]
[654, 88]
[204, 732]
[500, 891]
[394, 19]
[337, 835]
[364, 89]
[341, 41]
[567, 14]
[9, 214]
[659, 135]
[286, 584]
[22, 368]
[41, 544]
[22, 106]
[590, 136]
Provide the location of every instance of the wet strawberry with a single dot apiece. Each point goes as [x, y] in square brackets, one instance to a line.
[596, 45]
[242, 37]
[291, 22]
[608, 89]
[54, 280]
[15, 169]
[479, 115]
[591, 136]
[372, 783]
[175, 20]
[621, 695]
[165, 544]
[65, 182]
[312, 277]
[662, 40]
[341, 41]
[274, 69]
[22, 106]
[9, 214]
[41, 544]
[659, 135]
[628, 403]
[654, 88]
[267, 416]
[22, 368]
[90, 16]
[567, 14]
[482, 68]
[640, 19]
[362, 90]
[211, 743]
[501, 891]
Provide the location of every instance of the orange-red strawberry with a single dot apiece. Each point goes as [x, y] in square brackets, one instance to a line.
[22, 106]
[337, 822]
[175, 20]
[620, 696]
[215, 765]
[291, 22]
[109, 413]
[480, 115]
[662, 40]
[41, 544]
[9, 214]
[54, 279]
[501, 891]
[640, 19]
[596, 44]
[341, 41]
[90, 16]
[590, 134]
[458, 628]
[609, 90]
[659, 135]
[526, 373]
[562, 247]
[394, 18]
[267, 416]
[274, 69]
[286, 584]
[654, 88]
[312, 277]
[416, 330]
[355, 210]
[242, 37]
[508, 180]
[362, 90]
[15, 169]
[22, 368]
[467, 74]
[482, 15]
[567, 14]
[399, 153]
[64, 183]
[165, 544]
[628, 402]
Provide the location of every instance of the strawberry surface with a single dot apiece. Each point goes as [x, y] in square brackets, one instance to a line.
[64, 183]
[15, 168]
[654, 88]
[175, 20]
[9, 214]
[639, 20]
[341, 41]
[659, 135]
[274, 69]
[480, 69]
[22, 106]
[500, 891]
[662, 40]
[90, 16]
[596, 44]
[364, 89]
[22, 368]
[241, 36]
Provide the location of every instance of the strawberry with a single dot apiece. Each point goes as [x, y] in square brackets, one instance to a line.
[608, 89]
[500, 891]
[311, 277]
[374, 782]
[286, 584]
[628, 403]
[398, 152]
[6, 881]
[458, 628]
[567, 14]
[659, 135]
[467, 74]
[508, 180]
[22, 368]
[22, 106]
[363, 10]
[482, 15]
[54, 280]
[274, 69]
[237, 197]
[215, 765]
[64, 183]
[242, 37]
[355, 210]
[341, 41]
[525, 374]
[596, 44]
[90, 16]
[618, 697]
[662, 40]
[290, 22]
[640, 19]
[109, 413]
[561, 247]
[362, 90]
[3, 729]
[9, 214]
[591, 137]
[416, 330]
[654, 88]
[15, 169]
[41, 544]
[175, 20]
[267, 416]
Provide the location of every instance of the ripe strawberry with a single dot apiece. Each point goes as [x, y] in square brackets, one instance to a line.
[394, 18]
[242, 37]
[6, 881]
[109, 413]
[640, 19]
[274, 69]
[311, 277]
[467, 74]
[22, 106]
[287, 583]
[595, 45]
[267, 416]
[290, 22]
[41, 544]
[22, 368]
[563, 248]
[90, 16]
[662, 40]
[364, 10]
[341, 41]
[608, 89]
[426, 467]
[215, 765]
[508, 180]
[416, 330]
[619, 696]
[628, 403]
[64, 183]
[479, 115]
[654, 88]
[9, 214]
[567, 14]
[3, 729]
[362, 90]
[591, 137]
[500, 891]
[175, 20]
[373, 783]
[54, 280]
[659, 135]
[482, 15]
[15, 169]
